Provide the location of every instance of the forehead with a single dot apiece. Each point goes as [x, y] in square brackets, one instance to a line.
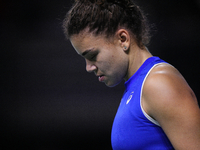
[82, 42]
[86, 40]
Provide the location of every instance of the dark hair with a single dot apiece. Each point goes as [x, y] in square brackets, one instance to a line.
[105, 17]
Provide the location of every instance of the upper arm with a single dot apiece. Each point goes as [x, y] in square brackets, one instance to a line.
[170, 101]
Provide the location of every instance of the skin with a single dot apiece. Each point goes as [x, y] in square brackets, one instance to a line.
[168, 99]
[166, 96]
[108, 57]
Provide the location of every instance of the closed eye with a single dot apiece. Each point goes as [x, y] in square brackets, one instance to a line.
[92, 56]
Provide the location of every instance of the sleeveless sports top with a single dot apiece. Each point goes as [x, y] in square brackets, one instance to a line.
[133, 129]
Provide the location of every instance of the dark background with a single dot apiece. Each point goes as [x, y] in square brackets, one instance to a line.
[48, 100]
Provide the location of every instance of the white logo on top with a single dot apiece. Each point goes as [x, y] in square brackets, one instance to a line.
[130, 97]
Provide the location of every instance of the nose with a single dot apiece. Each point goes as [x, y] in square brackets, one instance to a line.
[90, 67]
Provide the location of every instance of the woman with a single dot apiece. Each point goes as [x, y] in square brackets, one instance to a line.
[158, 109]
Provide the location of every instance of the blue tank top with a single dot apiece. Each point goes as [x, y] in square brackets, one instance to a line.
[132, 128]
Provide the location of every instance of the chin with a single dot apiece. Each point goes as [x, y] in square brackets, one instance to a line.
[112, 84]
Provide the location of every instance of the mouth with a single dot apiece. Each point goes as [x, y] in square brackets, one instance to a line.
[101, 78]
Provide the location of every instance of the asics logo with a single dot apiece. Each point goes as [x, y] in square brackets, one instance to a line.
[129, 98]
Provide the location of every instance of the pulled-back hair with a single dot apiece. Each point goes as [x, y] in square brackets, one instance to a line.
[106, 17]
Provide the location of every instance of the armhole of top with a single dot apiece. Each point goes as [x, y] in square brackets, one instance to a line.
[145, 114]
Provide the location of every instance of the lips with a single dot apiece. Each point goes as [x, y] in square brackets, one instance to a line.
[101, 78]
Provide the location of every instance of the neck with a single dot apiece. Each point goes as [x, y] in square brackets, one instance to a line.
[137, 57]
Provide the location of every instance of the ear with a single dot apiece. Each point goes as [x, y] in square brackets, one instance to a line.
[123, 39]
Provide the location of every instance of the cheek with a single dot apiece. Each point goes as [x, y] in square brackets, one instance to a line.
[120, 66]
[106, 60]
[112, 61]
[112, 65]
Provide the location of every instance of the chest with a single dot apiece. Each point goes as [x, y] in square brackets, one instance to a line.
[132, 130]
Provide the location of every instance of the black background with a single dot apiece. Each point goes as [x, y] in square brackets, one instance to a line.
[48, 100]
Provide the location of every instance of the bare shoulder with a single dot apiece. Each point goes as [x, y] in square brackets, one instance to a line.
[166, 81]
[169, 99]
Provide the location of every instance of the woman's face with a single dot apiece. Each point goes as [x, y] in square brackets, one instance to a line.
[105, 57]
